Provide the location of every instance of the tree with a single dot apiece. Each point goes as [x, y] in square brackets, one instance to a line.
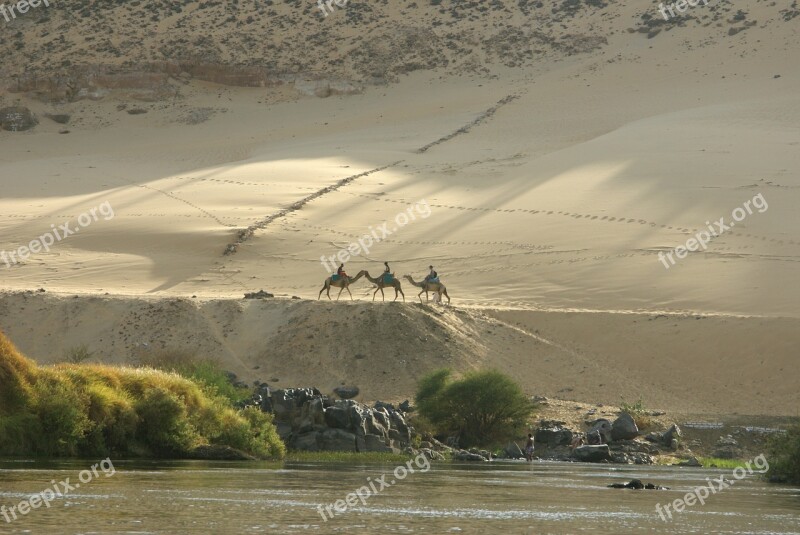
[481, 408]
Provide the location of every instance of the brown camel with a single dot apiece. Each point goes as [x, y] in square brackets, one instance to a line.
[343, 284]
[381, 284]
[436, 287]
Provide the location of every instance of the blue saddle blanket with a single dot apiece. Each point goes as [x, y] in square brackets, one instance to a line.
[335, 277]
[388, 278]
[436, 280]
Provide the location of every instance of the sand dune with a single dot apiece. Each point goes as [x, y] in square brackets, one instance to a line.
[555, 174]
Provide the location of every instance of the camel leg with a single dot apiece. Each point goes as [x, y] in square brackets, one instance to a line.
[402, 293]
[320, 293]
[375, 293]
[447, 296]
[419, 295]
[383, 296]
[348, 291]
[340, 292]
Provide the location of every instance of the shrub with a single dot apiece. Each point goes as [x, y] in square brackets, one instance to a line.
[164, 425]
[784, 455]
[78, 354]
[189, 365]
[86, 410]
[482, 408]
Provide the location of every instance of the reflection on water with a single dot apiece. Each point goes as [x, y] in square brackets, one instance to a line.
[195, 497]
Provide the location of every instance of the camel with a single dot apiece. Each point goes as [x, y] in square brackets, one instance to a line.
[379, 282]
[436, 287]
[343, 284]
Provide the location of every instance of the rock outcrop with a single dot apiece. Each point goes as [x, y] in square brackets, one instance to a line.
[310, 421]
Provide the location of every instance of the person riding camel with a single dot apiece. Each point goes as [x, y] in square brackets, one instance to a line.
[341, 272]
[387, 272]
[432, 276]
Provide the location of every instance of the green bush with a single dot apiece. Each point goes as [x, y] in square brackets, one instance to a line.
[784, 455]
[164, 425]
[482, 408]
[91, 410]
[189, 365]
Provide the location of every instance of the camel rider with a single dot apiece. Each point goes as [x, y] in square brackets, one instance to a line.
[341, 271]
[387, 273]
[432, 276]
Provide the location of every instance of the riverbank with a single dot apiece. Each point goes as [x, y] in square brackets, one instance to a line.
[699, 366]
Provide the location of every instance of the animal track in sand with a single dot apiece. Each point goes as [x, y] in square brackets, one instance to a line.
[590, 217]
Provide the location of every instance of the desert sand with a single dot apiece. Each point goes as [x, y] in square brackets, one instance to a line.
[553, 183]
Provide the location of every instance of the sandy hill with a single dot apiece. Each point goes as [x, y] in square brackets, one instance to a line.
[549, 153]
[385, 348]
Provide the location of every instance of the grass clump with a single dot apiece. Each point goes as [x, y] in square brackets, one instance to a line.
[203, 370]
[91, 410]
[637, 411]
[481, 408]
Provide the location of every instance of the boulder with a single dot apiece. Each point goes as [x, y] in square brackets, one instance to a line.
[603, 427]
[592, 454]
[17, 119]
[337, 417]
[337, 440]
[463, 455]
[513, 451]
[624, 428]
[552, 434]
[375, 443]
[346, 392]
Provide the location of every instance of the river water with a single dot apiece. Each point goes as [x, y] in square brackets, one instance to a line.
[498, 497]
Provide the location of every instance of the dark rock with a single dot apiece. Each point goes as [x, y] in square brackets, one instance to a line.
[463, 455]
[375, 443]
[624, 428]
[382, 405]
[603, 427]
[60, 118]
[346, 392]
[552, 434]
[637, 484]
[513, 451]
[261, 294]
[17, 119]
[337, 440]
[337, 417]
[592, 454]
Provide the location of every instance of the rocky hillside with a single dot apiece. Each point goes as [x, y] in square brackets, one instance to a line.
[72, 48]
